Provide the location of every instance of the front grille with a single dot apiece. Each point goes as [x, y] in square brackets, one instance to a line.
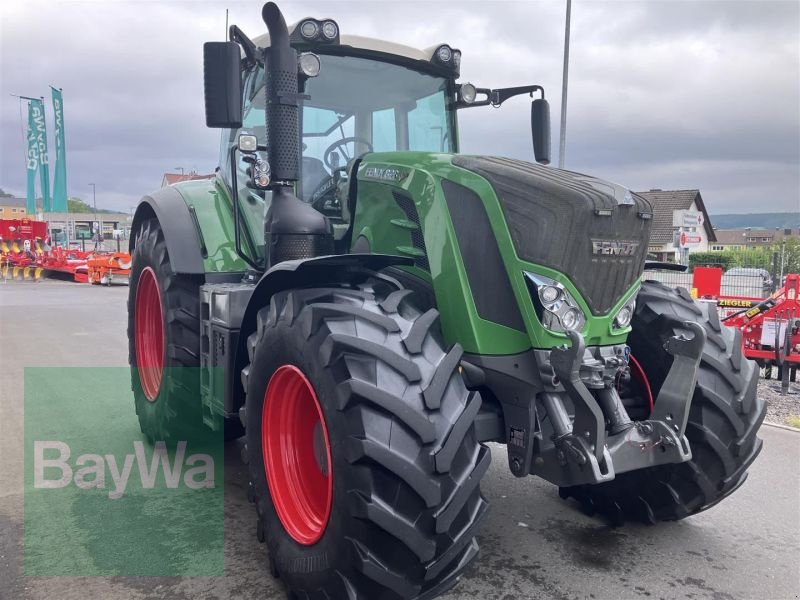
[552, 217]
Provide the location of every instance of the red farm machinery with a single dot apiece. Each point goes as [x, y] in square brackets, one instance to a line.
[26, 253]
[770, 326]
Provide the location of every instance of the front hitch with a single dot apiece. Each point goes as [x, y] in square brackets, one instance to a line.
[581, 451]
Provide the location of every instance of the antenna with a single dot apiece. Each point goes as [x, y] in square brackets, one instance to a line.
[226, 24]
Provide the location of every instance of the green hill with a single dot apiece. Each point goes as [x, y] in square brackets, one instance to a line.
[782, 220]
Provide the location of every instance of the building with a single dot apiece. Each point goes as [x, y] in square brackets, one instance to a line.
[74, 228]
[668, 207]
[13, 208]
[170, 178]
[740, 239]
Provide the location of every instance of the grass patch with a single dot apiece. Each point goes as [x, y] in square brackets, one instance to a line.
[793, 421]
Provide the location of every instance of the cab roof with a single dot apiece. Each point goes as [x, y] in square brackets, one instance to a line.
[369, 44]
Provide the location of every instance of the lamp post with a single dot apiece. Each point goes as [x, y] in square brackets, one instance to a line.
[181, 170]
[562, 146]
[94, 203]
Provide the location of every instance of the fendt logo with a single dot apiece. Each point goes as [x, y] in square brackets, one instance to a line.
[614, 247]
[385, 173]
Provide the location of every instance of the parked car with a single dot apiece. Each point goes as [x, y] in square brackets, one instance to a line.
[766, 278]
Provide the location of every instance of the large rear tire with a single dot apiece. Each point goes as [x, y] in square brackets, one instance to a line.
[724, 417]
[163, 341]
[374, 491]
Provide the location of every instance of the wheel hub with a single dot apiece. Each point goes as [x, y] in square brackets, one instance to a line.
[149, 334]
[297, 455]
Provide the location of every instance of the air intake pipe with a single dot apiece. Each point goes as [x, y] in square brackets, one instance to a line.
[292, 228]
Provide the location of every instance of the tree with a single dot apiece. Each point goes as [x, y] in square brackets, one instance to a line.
[723, 260]
[5, 194]
[76, 205]
[790, 251]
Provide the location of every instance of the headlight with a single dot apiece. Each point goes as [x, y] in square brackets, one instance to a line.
[571, 319]
[444, 53]
[330, 30]
[624, 315]
[309, 64]
[467, 92]
[549, 294]
[309, 29]
[555, 306]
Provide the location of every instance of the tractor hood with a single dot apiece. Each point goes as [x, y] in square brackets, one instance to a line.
[592, 231]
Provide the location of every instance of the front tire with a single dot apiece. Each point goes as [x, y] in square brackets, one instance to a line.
[393, 437]
[724, 416]
[163, 341]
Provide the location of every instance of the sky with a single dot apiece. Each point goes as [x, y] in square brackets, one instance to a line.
[672, 94]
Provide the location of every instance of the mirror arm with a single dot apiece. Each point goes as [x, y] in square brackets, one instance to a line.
[250, 50]
[497, 97]
[500, 95]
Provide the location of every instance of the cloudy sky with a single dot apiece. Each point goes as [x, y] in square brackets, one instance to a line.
[663, 94]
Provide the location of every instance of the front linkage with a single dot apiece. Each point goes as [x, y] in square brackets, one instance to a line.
[598, 440]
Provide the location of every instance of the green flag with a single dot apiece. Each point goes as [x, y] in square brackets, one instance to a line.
[60, 175]
[36, 116]
[33, 158]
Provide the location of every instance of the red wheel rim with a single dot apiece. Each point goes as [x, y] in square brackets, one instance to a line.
[638, 373]
[297, 455]
[149, 334]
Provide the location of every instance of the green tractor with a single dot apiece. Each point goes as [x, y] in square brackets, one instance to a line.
[369, 308]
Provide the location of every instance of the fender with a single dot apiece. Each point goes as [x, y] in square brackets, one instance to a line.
[179, 226]
[320, 271]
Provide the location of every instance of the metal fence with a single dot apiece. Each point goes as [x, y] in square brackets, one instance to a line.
[748, 274]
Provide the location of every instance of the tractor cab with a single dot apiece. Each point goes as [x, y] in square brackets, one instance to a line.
[351, 105]
[355, 95]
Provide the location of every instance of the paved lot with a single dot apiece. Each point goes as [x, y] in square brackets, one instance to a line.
[533, 544]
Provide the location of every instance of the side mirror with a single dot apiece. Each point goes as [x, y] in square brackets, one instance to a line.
[222, 82]
[540, 130]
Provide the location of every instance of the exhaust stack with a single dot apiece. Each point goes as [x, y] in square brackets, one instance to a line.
[292, 228]
[282, 97]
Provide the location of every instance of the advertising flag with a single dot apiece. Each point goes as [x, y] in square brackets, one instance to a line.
[60, 175]
[33, 159]
[41, 141]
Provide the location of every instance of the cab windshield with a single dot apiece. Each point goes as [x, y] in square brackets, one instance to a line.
[360, 105]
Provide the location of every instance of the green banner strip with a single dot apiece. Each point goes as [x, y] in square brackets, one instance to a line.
[32, 156]
[60, 171]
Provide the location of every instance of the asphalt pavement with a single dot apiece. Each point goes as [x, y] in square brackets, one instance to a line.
[534, 545]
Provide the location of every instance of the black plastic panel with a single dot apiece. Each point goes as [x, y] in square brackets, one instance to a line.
[491, 289]
[553, 220]
[406, 204]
